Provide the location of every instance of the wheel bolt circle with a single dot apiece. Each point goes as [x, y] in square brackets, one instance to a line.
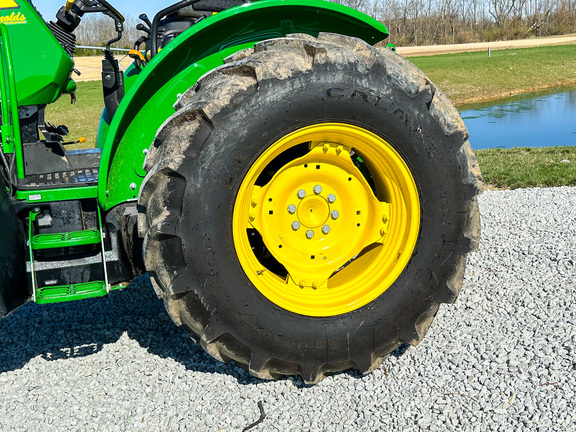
[326, 229]
[309, 234]
[335, 214]
[301, 193]
[295, 225]
[331, 198]
[291, 209]
[317, 189]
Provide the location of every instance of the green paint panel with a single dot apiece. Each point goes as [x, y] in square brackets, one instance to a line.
[151, 94]
[42, 67]
[68, 239]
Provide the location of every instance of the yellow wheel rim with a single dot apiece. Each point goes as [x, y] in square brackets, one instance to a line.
[326, 219]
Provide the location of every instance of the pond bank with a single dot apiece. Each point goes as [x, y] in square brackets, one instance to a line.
[474, 77]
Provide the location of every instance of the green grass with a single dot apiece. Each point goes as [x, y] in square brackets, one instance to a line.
[528, 167]
[83, 117]
[472, 77]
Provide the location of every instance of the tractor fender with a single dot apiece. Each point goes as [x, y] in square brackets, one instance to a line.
[13, 287]
[152, 91]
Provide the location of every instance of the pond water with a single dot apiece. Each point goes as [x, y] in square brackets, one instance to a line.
[534, 120]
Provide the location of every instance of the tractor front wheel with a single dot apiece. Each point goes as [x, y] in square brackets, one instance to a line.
[309, 206]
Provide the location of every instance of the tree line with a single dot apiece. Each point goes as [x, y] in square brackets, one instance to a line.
[416, 22]
[431, 22]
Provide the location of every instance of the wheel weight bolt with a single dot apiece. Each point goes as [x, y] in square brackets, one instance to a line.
[309, 234]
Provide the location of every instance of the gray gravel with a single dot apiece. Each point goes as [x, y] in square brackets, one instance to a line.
[502, 358]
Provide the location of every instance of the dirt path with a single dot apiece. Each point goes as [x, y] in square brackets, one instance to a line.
[483, 46]
[90, 67]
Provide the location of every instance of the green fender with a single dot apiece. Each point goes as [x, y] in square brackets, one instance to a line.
[152, 92]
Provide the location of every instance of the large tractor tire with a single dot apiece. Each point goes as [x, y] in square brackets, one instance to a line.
[309, 206]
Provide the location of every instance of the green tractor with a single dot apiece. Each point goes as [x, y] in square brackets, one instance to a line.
[302, 200]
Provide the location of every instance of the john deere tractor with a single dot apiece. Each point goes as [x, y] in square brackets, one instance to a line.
[302, 199]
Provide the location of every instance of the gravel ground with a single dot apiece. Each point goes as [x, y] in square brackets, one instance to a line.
[502, 358]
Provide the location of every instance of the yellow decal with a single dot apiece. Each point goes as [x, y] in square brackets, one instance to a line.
[8, 4]
[13, 18]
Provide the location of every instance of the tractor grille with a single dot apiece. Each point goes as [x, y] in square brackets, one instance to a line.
[67, 40]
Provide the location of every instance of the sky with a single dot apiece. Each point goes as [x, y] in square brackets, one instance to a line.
[48, 8]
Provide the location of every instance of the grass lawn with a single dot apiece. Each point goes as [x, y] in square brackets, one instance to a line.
[473, 77]
[528, 167]
[464, 78]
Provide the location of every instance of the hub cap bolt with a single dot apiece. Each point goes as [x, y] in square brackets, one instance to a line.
[335, 214]
[291, 209]
[309, 234]
[295, 225]
[331, 198]
[326, 229]
[317, 189]
[301, 193]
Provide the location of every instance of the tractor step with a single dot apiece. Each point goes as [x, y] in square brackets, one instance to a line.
[63, 240]
[64, 293]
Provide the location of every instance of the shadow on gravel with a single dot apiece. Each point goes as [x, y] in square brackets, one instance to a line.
[79, 329]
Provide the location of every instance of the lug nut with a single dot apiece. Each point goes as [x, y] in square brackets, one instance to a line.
[301, 193]
[335, 214]
[291, 209]
[295, 225]
[326, 229]
[317, 189]
[309, 234]
[331, 198]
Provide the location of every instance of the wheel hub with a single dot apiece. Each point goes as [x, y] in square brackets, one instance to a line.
[319, 237]
[313, 211]
[328, 231]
